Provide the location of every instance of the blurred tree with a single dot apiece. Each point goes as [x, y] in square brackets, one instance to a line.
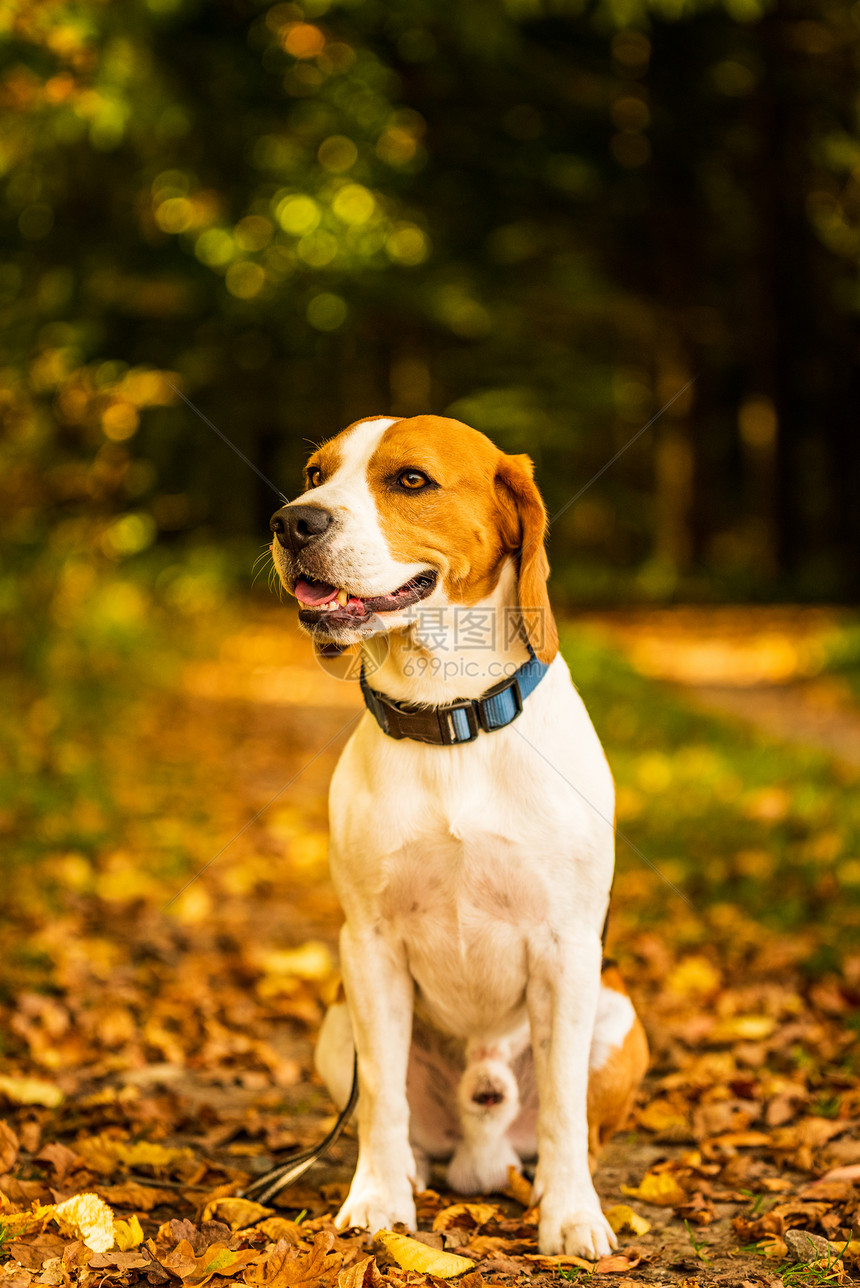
[543, 218]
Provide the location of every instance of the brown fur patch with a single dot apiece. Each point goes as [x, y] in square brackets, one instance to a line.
[612, 1088]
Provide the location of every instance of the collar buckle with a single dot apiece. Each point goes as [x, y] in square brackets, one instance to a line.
[458, 721]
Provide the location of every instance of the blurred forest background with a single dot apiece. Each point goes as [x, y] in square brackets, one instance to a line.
[545, 217]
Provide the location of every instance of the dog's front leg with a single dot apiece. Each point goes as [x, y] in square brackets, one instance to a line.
[564, 979]
[379, 991]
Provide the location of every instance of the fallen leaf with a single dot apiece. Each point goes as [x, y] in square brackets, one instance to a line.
[560, 1262]
[16, 1224]
[142, 1197]
[60, 1159]
[87, 1217]
[665, 1119]
[127, 1234]
[622, 1217]
[180, 1261]
[103, 1154]
[278, 1227]
[659, 1188]
[218, 1259]
[748, 1028]
[693, 977]
[615, 1263]
[518, 1187]
[468, 1215]
[237, 1213]
[287, 1266]
[8, 1147]
[849, 1173]
[356, 1275]
[412, 1255]
[30, 1091]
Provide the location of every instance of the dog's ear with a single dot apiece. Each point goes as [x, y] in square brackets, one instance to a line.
[525, 529]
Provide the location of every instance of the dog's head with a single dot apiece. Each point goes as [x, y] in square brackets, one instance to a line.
[401, 511]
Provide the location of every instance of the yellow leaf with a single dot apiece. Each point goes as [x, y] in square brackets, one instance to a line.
[237, 1213]
[30, 1091]
[88, 1218]
[622, 1217]
[774, 1249]
[693, 977]
[16, 1224]
[746, 1028]
[127, 1234]
[466, 1214]
[518, 1187]
[662, 1117]
[410, 1254]
[660, 1188]
[104, 1153]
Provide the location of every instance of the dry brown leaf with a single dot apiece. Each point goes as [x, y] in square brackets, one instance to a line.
[180, 1261]
[278, 1227]
[132, 1195]
[237, 1213]
[8, 1147]
[287, 1265]
[615, 1263]
[356, 1275]
[560, 1262]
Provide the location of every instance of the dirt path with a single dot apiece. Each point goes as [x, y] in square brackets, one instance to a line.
[759, 664]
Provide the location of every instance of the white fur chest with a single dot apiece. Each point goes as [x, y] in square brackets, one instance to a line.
[463, 855]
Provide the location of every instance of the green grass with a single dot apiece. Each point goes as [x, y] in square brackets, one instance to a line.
[740, 823]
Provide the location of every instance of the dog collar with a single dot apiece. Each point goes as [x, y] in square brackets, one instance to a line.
[459, 721]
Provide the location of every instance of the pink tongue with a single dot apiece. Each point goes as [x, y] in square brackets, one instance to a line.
[319, 593]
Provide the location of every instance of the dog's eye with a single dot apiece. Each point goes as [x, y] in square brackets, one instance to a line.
[412, 480]
[314, 476]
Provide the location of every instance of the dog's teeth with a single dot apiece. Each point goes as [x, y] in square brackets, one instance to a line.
[342, 598]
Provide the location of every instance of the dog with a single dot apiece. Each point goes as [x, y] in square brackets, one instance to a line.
[472, 840]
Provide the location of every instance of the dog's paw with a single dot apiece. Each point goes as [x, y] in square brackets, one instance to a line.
[375, 1207]
[583, 1233]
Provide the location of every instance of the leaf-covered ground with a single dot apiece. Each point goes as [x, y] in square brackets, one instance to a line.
[158, 1034]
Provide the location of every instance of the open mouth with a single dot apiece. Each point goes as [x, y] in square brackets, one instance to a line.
[321, 601]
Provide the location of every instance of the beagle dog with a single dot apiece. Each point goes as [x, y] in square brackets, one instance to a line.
[472, 842]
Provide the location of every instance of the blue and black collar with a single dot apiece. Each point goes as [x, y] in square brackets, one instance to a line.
[460, 721]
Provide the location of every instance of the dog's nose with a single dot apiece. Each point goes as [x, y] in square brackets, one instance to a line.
[296, 525]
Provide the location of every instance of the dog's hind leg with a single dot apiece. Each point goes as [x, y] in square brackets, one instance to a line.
[334, 1057]
[488, 1101]
[435, 1065]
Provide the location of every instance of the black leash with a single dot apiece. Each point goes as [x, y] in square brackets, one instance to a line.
[265, 1187]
